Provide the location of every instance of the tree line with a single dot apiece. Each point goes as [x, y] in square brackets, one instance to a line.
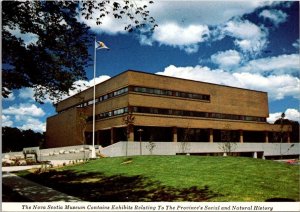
[14, 139]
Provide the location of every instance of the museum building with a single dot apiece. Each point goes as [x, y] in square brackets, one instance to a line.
[137, 106]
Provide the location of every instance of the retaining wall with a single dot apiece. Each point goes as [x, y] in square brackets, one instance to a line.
[173, 148]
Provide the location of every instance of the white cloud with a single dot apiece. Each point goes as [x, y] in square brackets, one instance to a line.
[291, 114]
[109, 25]
[11, 97]
[282, 64]
[249, 37]
[24, 110]
[242, 29]
[277, 87]
[186, 38]
[276, 16]
[6, 122]
[33, 124]
[185, 12]
[82, 85]
[227, 59]
[24, 116]
[297, 44]
[26, 93]
[172, 34]
[200, 73]
[28, 38]
[206, 12]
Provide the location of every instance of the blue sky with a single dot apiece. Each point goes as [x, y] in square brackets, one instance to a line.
[247, 44]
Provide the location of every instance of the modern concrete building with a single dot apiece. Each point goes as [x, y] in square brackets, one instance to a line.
[136, 105]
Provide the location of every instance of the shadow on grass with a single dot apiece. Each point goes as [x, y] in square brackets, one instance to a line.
[96, 187]
[8, 195]
[279, 199]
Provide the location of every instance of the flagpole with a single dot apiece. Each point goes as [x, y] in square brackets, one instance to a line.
[94, 102]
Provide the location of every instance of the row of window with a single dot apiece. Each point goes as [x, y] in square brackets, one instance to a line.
[170, 93]
[177, 113]
[149, 91]
[196, 114]
[104, 97]
[109, 114]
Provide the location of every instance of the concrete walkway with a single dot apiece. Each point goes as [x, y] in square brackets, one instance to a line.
[34, 191]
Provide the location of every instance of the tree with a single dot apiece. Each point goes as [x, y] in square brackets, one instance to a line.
[14, 139]
[151, 145]
[227, 138]
[184, 144]
[128, 120]
[59, 55]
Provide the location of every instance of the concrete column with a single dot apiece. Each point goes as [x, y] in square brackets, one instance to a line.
[266, 137]
[241, 136]
[175, 137]
[255, 155]
[98, 137]
[211, 135]
[112, 135]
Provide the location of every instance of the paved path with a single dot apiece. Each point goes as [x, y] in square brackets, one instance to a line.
[34, 191]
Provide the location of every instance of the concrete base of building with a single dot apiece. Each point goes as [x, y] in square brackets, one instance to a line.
[256, 150]
[124, 148]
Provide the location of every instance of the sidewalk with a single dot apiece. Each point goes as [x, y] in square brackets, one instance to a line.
[34, 191]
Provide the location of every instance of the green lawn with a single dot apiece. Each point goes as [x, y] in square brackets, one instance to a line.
[176, 178]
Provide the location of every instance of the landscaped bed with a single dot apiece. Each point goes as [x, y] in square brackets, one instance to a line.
[175, 178]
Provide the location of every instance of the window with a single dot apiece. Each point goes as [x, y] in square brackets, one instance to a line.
[163, 92]
[120, 111]
[196, 114]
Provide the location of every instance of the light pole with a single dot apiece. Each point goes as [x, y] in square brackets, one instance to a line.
[140, 131]
[98, 45]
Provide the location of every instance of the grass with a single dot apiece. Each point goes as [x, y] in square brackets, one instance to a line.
[176, 178]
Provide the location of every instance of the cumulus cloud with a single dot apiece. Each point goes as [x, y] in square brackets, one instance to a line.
[173, 34]
[24, 116]
[33, 124]
[206, 12]
[276, 16]
[24, 109]
[227, 59]
[277, 87]
[81, 85]
[249, 37]
[26, 93]
[183, 37]
[282, 64]
[291, 114]
[109, 25]
[6, 121]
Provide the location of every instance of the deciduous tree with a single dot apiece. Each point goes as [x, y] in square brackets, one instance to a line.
[58, 53]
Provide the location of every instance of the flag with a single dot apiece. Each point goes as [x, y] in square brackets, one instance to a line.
[101, 45]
